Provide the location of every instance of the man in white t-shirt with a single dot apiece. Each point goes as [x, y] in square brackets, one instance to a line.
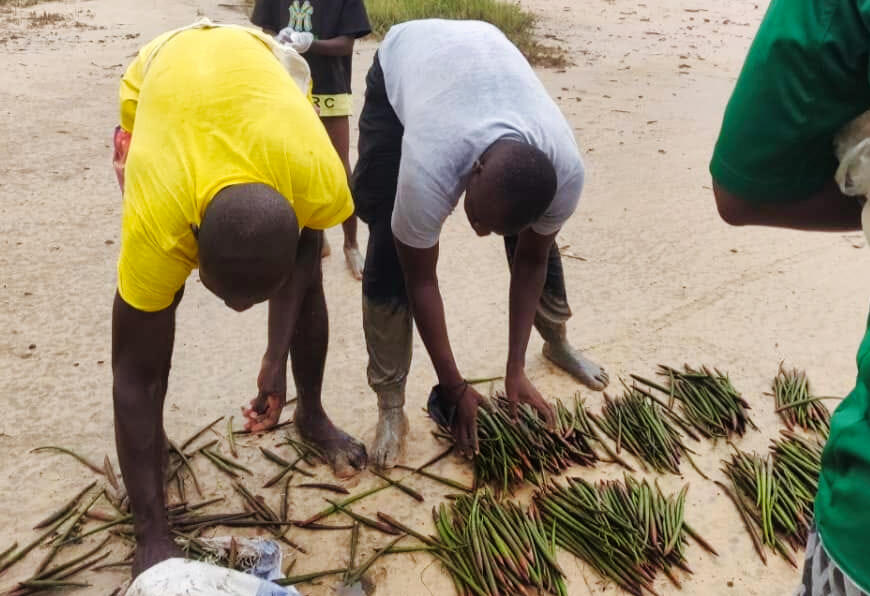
[453, 107]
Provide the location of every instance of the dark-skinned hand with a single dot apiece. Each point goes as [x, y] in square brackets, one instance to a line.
[265, 409]
[519, 390]
[467, 400]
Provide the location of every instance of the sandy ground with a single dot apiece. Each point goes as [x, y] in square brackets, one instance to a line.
[663, 280]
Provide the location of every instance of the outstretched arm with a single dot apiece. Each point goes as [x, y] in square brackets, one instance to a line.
[421, 281]
[827, 210]
[419, 268]
[141, 354]
[336, 46]
[265, 409]
[527, 282]
[284, 305]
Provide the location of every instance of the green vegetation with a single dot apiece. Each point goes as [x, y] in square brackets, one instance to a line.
[516, 23]
[18, 3]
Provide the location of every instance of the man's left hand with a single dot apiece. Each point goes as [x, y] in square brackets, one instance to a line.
[520, 390]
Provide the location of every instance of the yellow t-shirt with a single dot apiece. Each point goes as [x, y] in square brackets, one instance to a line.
[209, 108]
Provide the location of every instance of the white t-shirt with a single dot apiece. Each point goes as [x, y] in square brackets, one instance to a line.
[457, 87]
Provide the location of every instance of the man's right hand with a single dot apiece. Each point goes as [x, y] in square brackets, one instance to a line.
[467, 400]
[265, 409]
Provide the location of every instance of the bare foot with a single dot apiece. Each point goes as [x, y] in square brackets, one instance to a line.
[325, 249]
[346, 455]
[153, 551]
[390, 437]
[354, 260]
[576, 364]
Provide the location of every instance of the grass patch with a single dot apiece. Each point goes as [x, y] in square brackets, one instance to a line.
[517, 24]
[19, 3]
[45, 19]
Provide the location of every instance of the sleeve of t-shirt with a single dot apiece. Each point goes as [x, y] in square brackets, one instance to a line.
[420, 210]
[805, 76]
[563, 206]
[354, 19]
[148, 276]
[131, 82]
[266, 14]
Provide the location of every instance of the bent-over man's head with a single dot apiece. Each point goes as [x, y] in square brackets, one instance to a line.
[247, 244]
[511, 186]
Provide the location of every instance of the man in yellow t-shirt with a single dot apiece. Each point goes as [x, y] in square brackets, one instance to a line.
[229, 169]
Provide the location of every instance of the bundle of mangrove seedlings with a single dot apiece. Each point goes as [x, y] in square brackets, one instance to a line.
[797, 461]
[626, 531]
[513, 451]
[796, 405]
[494, 548]
[774, 494]
[709, 401]
[636, 422]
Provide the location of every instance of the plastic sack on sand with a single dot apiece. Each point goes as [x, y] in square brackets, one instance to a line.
[259, 557]
[179, 577]
[852, 147]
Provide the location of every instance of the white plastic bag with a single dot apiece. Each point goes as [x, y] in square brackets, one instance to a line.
[178, 577]
[257, 556]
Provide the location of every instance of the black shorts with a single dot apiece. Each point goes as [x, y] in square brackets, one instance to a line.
[376, 173]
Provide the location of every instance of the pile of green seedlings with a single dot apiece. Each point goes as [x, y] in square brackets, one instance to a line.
[513, 451]
[796, 405]
[774, 494]
[626, 531]
[644, 428]
[709, 402]
[493, 547]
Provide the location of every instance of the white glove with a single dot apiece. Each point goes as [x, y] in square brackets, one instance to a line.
[298, 40]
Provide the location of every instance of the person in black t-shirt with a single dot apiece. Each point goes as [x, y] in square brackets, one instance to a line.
[324, 31]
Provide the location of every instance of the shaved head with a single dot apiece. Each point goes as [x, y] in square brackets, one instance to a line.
[510, 188]
[247, 244]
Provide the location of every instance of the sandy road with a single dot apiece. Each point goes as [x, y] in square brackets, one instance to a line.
[662, 280]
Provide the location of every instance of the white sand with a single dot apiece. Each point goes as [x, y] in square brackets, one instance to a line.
[665, 280]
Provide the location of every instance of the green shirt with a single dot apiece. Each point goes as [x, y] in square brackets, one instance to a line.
[843, 500]
[806, 76]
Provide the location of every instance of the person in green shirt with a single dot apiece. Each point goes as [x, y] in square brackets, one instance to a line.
[806, 75]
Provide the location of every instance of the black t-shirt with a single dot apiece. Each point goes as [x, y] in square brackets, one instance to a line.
[325, 19]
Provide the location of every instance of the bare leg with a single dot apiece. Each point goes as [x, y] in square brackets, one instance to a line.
[338, 128]
[141, 353]
[307, 359]
[352, 256]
